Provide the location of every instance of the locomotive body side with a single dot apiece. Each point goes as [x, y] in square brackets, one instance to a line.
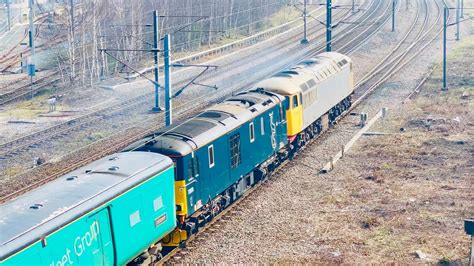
[218, 154]
[333, 86]
[105, 213]
[312, 88]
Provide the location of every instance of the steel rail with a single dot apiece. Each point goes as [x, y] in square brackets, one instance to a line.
[221, 215]
[25, 90]
[103, 151]
[22, 143]
[396, 64]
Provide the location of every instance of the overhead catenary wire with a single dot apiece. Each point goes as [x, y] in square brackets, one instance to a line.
[136, 17]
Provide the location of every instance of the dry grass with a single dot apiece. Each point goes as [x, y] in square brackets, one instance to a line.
[30, 109]
[412, 190]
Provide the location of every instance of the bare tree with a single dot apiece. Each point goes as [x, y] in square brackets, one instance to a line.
[87, 25]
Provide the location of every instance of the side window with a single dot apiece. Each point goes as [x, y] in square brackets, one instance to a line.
[235, 158]
[295, 101]
[157, 203]
[252, 132]
[301, 98]
[134, 218]
[287, 104]
[210, 151]
[262, 126]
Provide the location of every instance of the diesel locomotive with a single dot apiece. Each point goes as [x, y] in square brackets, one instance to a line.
[134, 206]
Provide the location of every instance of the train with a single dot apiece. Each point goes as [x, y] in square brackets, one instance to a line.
[134, 206]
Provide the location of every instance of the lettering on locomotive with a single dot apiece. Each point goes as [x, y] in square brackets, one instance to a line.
[81, 245]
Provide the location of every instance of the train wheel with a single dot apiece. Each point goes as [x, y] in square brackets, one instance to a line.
[312, 131]
[300, 142]
[159, 256]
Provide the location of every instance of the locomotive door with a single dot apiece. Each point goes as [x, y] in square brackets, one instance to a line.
[273, 132]
[102, 247]
[193, 186]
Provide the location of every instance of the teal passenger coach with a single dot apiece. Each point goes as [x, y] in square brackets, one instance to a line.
[106, 213]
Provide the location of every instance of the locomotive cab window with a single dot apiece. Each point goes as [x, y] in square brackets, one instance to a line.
[262, 126]
[287, 103]
[252, 132]
[210, 151]
[295, 101]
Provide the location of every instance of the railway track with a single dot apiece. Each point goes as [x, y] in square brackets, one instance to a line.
[75, 165]
[231, 211]
[136, 133]
[391, 66]
[395, 64]
[12, 57]
[26, 90]
[22, 88]
[18, 145]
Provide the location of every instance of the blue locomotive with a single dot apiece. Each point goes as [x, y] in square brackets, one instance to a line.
[219, 154]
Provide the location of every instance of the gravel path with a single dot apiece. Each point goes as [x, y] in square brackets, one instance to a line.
[302, 216]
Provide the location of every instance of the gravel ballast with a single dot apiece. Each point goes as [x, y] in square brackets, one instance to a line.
[356, 213]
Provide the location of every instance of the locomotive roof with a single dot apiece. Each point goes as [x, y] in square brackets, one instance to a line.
[34, 214]
[317, 69]
[182, 139]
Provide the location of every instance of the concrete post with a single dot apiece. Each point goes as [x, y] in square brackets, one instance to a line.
[393, 15]
[458, 15]
[168, 105]
[328, 25]
[31, 41]
[444, 47]
[156, 39]
[305, 14]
